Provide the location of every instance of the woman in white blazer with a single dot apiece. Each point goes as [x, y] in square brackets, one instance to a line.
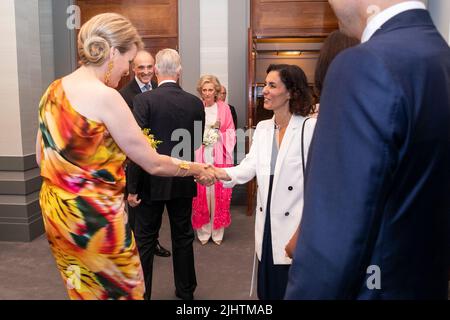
[275, 158]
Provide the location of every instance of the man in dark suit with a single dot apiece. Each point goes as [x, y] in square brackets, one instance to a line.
[143, 68]
[170, 113]
[223, 97]
[376, 210]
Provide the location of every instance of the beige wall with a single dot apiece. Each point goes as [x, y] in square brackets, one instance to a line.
[30, 70]
[214, 39]
[26, 65]
[46, 35]
[27, 68]
[10, 126]
[189, 39]
[238, 23]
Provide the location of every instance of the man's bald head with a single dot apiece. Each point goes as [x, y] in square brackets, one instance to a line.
[143, 66]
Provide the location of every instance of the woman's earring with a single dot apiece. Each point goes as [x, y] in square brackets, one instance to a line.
[108, 72]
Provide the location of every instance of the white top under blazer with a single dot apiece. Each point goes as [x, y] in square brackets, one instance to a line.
[287, 191]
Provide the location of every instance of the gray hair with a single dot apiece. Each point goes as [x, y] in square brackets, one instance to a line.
[168, 63]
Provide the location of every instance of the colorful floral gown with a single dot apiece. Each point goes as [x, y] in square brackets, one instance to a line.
[82, 203]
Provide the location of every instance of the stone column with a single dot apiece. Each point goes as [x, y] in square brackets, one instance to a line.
[189, 43]
[27, 69]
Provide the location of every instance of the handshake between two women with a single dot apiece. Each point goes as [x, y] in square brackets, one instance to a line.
[211, 175]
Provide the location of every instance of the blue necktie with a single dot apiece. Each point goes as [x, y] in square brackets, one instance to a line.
[146, 88]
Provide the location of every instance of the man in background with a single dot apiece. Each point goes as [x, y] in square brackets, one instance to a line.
[376, 211]
[166, 110]
[223, 97]
[143, 68]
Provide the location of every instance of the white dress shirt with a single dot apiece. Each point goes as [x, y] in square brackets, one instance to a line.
[166, 81]
[381, 18]
[142, 85]
[286, 204]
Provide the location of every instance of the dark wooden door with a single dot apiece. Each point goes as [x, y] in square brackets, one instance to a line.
[277, 21]
[156, 20]
[292, 18]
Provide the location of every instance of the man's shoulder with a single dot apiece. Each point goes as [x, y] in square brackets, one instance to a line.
[356, 62]
[188, 97]
[359, 51]
[400, 50]
[192, 97]
[407, 41]
[170, 93]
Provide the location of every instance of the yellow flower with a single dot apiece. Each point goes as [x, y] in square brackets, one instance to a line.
[151, 138]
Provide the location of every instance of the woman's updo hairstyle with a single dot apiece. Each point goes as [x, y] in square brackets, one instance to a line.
[102, 32]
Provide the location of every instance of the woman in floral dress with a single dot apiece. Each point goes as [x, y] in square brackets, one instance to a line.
[85, 130]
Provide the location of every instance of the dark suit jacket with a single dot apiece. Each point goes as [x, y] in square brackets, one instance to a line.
[233, 115]
[131, 90]
[164, 110]
[377, 196]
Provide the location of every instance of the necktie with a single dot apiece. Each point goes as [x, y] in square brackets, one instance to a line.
[146, 88]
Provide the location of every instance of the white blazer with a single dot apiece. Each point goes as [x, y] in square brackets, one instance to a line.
[287, 191]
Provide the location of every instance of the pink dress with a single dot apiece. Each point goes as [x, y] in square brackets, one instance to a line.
[223, 157]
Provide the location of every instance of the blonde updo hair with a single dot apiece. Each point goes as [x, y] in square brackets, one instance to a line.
[102, 32]
[208, 78]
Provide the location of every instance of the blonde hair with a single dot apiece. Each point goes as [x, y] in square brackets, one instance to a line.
[103, 32]
[168, 63]
[209, 78]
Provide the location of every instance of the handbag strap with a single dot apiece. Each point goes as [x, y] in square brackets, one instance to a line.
[303, 165]
[303, 147]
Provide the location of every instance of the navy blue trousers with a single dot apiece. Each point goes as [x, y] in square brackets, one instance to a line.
[272, 278]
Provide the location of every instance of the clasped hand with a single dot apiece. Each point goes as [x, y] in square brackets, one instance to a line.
[207, 176]
[210, 175]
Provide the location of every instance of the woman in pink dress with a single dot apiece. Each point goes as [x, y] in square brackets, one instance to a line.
[211, 207]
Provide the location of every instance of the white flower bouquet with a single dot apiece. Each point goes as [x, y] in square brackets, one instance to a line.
[211, 136]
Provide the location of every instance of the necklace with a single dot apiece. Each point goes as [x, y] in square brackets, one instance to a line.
[278, 126]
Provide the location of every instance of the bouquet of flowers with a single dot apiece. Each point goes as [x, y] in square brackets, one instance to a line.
[151, 138]
[211, 134]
